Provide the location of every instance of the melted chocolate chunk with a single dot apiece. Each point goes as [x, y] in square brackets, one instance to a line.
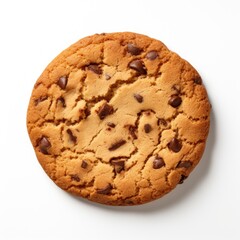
[62, 101]
[129, 202]
[44, 145]
[175, 145]
[110, 124]
[118, 165]
[95, 68]
[132, 131]
[152, 55]
[147, 112]
[133, 49]
[71, 136]
[147, 128]
[162, 122]
[105, 190]
[41, 99]
[183, 177]
[175, 101]
[177, 88]
[198, 80]
[75, 177]
[87, 112]
[116, 145]
[184, 164]
[158, 162]
[104, 111]
[138, 66]
[138, 97]
[62, 82]
[84, 164]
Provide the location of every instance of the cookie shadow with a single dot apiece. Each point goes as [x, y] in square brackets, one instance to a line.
[174, 198]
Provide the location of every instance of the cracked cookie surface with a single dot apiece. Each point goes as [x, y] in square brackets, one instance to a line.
[118, 119]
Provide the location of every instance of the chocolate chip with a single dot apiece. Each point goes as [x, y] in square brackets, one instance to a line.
[87, 112]
[71, 136]
[152, 55]
[116, 145]
[110, 124]
[147, 112]
[118, 165]
[158, 162]
[162, 122]
[184, 164]
[175, 101]
[198, 80]
[84, 164]
[175, 145]
[107, 76]
[41, 99]
[138, 66]
[62, 82]
[44, 145]
[104, 111]
[177, 88]
[132, 131]
[75, 177]
[95, 68]
[147, 128]
[138, 97]
[183, 177]
[129, 202]
[62, 101]
[83, 113]
[105, 190]
[133, 49]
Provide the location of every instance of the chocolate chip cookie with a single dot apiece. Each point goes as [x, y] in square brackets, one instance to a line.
[118, 119]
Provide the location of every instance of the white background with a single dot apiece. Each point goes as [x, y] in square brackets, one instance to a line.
[206, 206]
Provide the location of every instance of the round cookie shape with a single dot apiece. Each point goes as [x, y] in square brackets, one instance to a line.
[118, 119]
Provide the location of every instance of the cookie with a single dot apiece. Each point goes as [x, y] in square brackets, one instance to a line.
[118, 119]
